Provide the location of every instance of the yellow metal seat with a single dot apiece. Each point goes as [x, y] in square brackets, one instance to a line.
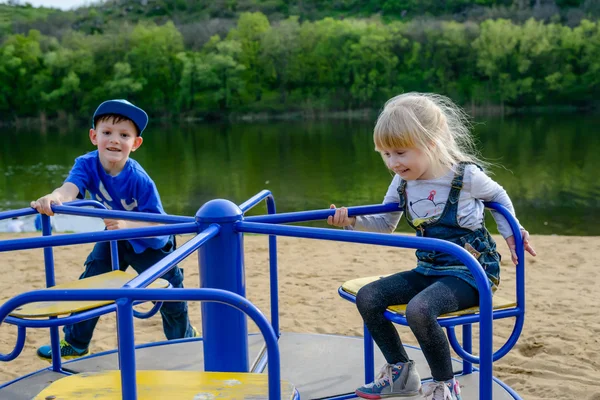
[152, 385]
[110, 280]
[354, 285]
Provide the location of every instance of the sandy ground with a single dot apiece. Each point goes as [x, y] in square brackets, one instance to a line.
[557, 357]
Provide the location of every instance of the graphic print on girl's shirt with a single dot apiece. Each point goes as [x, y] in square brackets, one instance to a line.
[424, 210]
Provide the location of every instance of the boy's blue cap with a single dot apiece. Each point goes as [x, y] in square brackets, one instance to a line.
[124, 108]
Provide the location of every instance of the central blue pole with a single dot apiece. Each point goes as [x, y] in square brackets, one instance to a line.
[221, 260]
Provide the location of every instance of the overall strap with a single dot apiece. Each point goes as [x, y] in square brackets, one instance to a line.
[457, 183]
[402, 194]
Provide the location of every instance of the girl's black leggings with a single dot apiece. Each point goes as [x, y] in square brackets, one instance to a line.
[427, 297]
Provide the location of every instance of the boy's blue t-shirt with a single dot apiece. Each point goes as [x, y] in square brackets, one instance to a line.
[131, 190]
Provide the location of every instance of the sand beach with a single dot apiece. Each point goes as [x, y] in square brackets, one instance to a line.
[557, 357]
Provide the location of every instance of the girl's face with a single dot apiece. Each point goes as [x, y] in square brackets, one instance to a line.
[410, 163]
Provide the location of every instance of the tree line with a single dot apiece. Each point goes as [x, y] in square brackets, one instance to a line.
[309, 66]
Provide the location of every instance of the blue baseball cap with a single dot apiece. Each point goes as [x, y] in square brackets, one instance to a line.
[124, 108]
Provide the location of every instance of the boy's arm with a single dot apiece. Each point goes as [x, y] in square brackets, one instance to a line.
[113, 224]
[67, 192]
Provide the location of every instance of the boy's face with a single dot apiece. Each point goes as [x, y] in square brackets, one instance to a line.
[115, 142]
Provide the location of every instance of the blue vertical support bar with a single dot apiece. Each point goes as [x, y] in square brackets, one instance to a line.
[126, 345]
[50, 281]
[369, 356]
[114, 255]
[221, 260]
[273, 272]
[468, 347]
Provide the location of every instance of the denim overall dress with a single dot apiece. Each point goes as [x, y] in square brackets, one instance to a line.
[478, 242]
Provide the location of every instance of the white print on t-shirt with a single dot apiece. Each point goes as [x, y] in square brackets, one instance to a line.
[104, 192]
[426, 209]
[129, 207]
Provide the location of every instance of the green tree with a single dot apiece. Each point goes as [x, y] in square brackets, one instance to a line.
[20, 59]
[496, 48]
[213, 80]
[280, 49]
[250, 29]
[373, 66]
[123, 83]
[153, 58]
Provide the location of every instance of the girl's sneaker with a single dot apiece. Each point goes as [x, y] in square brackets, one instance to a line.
[448, 390]
[394, 380]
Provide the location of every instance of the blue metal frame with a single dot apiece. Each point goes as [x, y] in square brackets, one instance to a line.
[222, 266]
[220, 225]
[465, 351]
[273, 274]
[179, 225]
[485, 295]
[124, 298]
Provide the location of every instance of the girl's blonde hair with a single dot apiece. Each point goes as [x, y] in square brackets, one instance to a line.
[431, 123]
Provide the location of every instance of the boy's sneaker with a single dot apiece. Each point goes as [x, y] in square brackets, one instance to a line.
[448, 390]
[67, 352]
[196, 333]
[394, 380]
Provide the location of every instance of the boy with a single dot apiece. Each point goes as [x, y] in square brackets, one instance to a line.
[120, 183]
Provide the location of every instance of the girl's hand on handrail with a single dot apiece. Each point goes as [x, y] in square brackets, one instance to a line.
[513, 247]
[340, 218]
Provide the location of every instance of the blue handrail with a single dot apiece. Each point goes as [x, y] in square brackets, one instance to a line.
[273, 273]
[124, 299]
[518, 312]
[168, 262]
[319, 215]
[266, 225]
[485, 294]
[101, 236]
[73, 208]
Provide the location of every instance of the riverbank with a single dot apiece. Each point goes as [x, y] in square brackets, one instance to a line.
[66, 121]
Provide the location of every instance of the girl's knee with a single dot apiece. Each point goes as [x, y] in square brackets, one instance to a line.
[418, 313]
[368, 300]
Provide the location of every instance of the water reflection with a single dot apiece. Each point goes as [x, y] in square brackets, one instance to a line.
[549, 165]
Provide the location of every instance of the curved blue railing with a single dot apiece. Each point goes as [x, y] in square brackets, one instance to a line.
[518, 312]
[72, 208]
[264, 225]
[21, 334]
[273, 273]
[101, 236]
[178, 225]
[124, 298]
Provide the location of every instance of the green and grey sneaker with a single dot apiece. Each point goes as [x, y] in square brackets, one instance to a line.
[67, 352]
[394, 380]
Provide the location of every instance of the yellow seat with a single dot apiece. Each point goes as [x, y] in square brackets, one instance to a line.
[153, 385]
[354, 285]
[110, 280]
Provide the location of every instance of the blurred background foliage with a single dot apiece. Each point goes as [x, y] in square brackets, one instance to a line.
[214, 59]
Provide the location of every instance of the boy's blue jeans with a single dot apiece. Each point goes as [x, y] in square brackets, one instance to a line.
[176, 323]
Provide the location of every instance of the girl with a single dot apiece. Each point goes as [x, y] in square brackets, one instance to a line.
[439, 182]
